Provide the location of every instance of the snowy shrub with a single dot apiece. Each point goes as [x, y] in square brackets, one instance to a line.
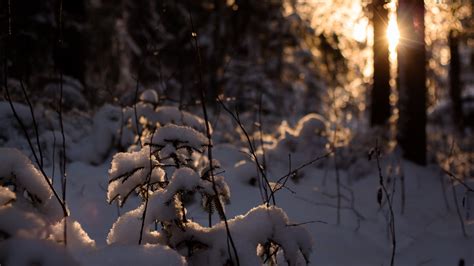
[149, 114]
[88, 139]
[30, 211]
[106, 134]
[260, 228]
[309, 139]
[10, 130]
[31, 192]
[168, 168]
[72, 93]
[171, 169]
[353, 155]
[247, 171]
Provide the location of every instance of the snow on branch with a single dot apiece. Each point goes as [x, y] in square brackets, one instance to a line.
[179, 137]
[17, 170]
[129, 171]
[259, 226]
[164, 206]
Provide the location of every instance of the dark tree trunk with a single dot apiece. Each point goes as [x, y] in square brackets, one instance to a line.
[216, 58]
[380, 105]
[412, 77]
[455, 80]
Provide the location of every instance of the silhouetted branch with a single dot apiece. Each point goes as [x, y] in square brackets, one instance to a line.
[389, 201]
[219, 206]
[252, 152]
[35, 125]
[147, 190]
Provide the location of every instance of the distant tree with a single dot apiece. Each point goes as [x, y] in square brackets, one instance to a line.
[412, 81]
[455, 86]
[380, 105]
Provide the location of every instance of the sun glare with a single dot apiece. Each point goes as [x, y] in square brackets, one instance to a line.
[393, 35]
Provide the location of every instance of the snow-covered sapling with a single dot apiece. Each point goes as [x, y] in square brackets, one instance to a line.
[31, 216]
[172, 165]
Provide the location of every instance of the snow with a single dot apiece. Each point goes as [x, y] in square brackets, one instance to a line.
[103, 137]
[26, 251]
[311, 200]
[272, 224]
[18, 170]
[303, 222]
[72, 96]
[186, 179]
[310, 131]
[126, 230]
[130, 171]
[247, 171]
[77, 238]
[183, 179]
[149, 96]
[6, 114]
[20, 223]
[172, 115]
[141, 186]
[118, 255]
[182, 136]
[162, 206]
[311, 125]
[6, 196]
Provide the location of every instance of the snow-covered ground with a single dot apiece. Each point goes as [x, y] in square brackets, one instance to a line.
[427, 233]
[427, 224]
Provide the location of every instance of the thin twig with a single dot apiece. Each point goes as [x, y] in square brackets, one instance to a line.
[453, 188]
[209, 137]
[135, 112]
[334, 148]
[451, 174]
[262, 145]
[252, 152]
[358, 215]
[60, 112]
[403, 187]
[294, 171]
[54, 156]
[389, 201]
[20, 122]
[147, 189]
[309, 222]
[260, 129]
[33, 117]
[458, 209]
[22, 125]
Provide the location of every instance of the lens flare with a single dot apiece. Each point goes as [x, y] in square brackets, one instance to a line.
[393, 35]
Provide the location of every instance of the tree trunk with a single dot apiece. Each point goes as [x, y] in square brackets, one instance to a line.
[380, 106]
[213, 90]
[455, 80]
[412, 81]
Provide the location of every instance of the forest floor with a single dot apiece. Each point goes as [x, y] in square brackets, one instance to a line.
[427, 233]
